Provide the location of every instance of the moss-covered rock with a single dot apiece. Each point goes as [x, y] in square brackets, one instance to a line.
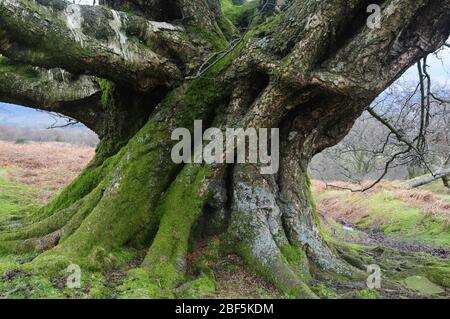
[423, 285]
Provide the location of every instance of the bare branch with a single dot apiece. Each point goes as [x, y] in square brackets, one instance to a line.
[54, 90]
[399, 136]
[386, 168]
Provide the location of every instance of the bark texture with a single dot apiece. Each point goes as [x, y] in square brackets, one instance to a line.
[135, 70]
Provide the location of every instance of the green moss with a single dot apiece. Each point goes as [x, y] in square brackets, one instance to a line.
[25, 286]
[269, 23]
[276, 271]
[24, 70]
[16, 200]
[207, 258]
[423, 285]
[298, 260]
[22, 281]
[239, 13]
[215, 38]
[312, 201]
[202, 287]
[439, 275]
[105, 86]
[324, 291]
[368, 294]
[293, 254]
[180, 208]
[139, 285]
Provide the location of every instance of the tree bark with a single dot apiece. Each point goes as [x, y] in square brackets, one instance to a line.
[310, 80]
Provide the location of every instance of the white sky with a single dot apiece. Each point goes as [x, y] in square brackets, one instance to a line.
[438, 66]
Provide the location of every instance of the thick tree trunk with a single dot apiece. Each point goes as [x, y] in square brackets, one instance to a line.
[310, 81]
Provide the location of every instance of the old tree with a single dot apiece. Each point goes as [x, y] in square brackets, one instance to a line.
[135, 70]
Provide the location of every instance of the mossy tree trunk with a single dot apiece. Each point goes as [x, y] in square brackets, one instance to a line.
[133, 71]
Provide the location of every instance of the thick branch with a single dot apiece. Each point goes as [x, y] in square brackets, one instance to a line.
[53, 90]
[375, 57]
[93, 40]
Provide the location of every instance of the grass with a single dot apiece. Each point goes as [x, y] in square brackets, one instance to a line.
[15, 198]
[392, 215]
[48, 166]
[437, 188]
[237, 12]
[413, 215]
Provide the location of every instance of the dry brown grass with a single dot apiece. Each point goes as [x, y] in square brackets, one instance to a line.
[320, 186]
[426, 200]
[49, 166]
[342, 211]
[351, 207]
[339, 207]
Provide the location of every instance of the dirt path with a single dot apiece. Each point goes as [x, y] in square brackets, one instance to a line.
[404, 246]
[351, 234]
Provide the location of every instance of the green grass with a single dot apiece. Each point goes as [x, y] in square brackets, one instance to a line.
[409, 222]
[18, 282]
[384, 211]
[16, 199]
[236, 12]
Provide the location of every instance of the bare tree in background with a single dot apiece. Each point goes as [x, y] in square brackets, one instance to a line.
[403, 135]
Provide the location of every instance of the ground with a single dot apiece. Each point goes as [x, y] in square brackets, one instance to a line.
[405, 232]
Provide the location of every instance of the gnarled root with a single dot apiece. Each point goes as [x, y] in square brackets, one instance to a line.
[281, 243]
[179, 208]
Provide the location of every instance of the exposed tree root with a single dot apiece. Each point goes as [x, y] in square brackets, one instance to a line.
[68, 218]
[179, 209]
[260, 234]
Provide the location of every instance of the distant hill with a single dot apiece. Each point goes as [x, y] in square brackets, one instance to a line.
[21, 124]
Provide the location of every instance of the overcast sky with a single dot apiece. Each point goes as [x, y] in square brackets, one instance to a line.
[439, 67]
